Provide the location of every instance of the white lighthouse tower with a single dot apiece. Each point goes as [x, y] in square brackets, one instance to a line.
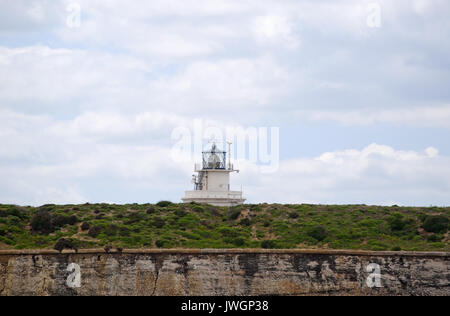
[212, 182]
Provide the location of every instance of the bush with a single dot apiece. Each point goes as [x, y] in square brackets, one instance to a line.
[65, 244]
[245, 222]
[436, 224]
[198, 209]
[180, 213]
[163, 203]
[255, 208]
[41, 222]
[111, 230]
[59, 221]
[160, 243]
[72, 220]
[396, 248]
[434, 238]
[396, 222]
[15, 212]
[238, 242]
[85, 226]
[268, 244]
[158, 222]
[319, 233]
[235, 214]
[123, 231]
[134, 217]
[94, 231]
[151, 210]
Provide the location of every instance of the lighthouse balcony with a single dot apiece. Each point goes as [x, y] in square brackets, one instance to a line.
[218, 198]
[199, 167]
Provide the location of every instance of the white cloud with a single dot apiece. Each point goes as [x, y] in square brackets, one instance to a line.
[52, 79]
[103, 96]
[48, 161]
[276, 30]
[433, 116]
[377, 174]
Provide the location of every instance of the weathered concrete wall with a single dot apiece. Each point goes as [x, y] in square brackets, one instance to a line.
[224, 272]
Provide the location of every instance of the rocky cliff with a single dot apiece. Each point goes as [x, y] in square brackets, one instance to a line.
[224, 272]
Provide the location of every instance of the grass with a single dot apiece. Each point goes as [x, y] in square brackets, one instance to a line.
[170, 225]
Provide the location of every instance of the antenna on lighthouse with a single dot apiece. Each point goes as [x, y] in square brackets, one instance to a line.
[229, 154]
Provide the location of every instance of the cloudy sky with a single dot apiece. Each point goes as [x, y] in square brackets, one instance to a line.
[91, 91]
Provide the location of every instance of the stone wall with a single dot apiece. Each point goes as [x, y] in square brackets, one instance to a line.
[224, 272]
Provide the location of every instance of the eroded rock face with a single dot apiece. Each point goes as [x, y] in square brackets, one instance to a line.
[222, 273]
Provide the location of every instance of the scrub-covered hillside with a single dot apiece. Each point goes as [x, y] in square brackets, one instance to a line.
[169, 225]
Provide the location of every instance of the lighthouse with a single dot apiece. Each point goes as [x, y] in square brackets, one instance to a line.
[212, 181]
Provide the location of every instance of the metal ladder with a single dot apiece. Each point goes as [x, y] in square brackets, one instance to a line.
[201, 174]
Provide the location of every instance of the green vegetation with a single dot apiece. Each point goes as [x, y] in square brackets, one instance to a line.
[171, 225]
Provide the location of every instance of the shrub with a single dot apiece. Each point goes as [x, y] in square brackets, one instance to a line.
[319, 233]
[214, 211]
[151, 210]
[15, 212]
[134, 217]
[158, 222]
[111, 230]
[14, 220]
[180, 213]
[123, 231]
[229, 232]
[198, 209]
[85, 226]
[434, 238]
[235, 214]
[268, 244]
[245, 222]
[94, 231]
[238, 242]
[160, 243]
[255, 208]
[293, 215]
[41, 222]
[65, 244]
[436, 224]
[396, 248]
[72, 220]
[59, 221]
[163, 203]
[396, 222]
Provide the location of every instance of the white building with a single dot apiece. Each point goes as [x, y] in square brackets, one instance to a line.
[212, 182]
